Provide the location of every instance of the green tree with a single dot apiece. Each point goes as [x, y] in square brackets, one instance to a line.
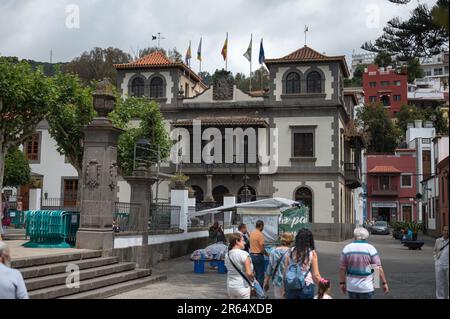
[357, 79]
[151, 127]
[26, 97]
[424, 34]
[415, 71]
[17, 168]
[97, 64]
[206, 77]
[383, 59]
[382, 133]
[407, 114]
[72, 110]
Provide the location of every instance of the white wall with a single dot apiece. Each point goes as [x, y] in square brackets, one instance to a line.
[52, 166]
[322, 197]
[323, 138]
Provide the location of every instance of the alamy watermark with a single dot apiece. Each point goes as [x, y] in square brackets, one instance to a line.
[73, 276]
[226, 146]
[72, 16]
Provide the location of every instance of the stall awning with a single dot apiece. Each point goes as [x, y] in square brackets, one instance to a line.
[267, 203]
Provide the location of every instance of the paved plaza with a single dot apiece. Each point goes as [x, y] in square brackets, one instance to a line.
[410, 273]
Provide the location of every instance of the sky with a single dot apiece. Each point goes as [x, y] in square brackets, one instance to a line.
[30, 29]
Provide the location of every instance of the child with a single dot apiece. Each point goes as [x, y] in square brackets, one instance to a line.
[324, 289]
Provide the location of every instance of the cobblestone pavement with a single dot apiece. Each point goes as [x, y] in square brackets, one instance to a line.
[410, 273]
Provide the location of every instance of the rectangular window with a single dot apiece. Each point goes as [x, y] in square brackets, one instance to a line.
[303, 145]
[385, 83]
[384, 182]
[397, 83]
[406, 181]
[438, 71]
[426, 141]
[426, 164]
[186, 90]
[32, 148]
[428, 73]
[397, 98]
[372, 99]
[373, 84]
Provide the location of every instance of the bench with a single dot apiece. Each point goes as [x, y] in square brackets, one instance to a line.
[413, 245]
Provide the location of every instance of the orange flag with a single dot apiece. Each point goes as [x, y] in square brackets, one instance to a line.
[225, 49]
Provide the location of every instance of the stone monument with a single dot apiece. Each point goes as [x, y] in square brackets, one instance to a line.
[99, 176]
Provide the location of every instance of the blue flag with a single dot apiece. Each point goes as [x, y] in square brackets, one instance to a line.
[262, 56]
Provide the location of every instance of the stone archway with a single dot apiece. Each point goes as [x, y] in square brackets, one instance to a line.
[218, 193]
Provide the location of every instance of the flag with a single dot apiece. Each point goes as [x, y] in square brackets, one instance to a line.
[225, 49]
[199, 51]
[306, 28]
[248, 53]
[188, 54]
[262, 56]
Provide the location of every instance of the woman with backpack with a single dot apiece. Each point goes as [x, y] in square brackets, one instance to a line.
[275, 269]
[301, 272]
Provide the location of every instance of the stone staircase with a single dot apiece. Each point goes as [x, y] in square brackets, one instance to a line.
[14, 234]
[100, 277]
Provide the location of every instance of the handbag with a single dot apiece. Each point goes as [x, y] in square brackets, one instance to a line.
[255, 286]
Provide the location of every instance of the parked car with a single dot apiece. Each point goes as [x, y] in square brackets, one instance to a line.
[380, 227]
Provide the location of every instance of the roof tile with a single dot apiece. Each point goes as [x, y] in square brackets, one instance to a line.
[384, 170]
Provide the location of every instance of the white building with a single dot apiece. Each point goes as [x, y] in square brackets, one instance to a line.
[362, 58]
[436, 67]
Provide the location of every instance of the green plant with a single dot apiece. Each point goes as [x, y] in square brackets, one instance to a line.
[178, 181]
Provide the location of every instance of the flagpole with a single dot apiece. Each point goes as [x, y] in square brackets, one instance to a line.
[226, 59]
[251, 54]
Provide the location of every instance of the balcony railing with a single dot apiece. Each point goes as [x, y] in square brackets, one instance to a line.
[384, 190]
[55, 203]
[352, 175]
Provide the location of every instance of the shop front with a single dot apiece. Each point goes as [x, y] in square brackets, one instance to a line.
[386, 211]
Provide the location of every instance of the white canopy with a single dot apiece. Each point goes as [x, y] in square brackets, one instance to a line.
[276, 202]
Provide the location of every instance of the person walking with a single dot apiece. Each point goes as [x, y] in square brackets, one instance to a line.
[258, 251]
[239, 265]
[242, 228]
[323, 291]
[301, 272]
[275, 270]
[12, 285]
[441, 264]
[356, 267]
[213, 233]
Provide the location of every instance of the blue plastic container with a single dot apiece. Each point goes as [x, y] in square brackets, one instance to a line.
[222, 269]
[199, 266]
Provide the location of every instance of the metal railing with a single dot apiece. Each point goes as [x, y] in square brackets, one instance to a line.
[54, 203]
[381, 190]
[164, 217]
[129, 217]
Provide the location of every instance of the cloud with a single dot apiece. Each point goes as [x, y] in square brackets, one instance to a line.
[31, 28]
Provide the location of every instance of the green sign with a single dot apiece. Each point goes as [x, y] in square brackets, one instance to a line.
[293, 219]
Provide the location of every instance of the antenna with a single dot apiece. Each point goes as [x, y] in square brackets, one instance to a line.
[159, 38]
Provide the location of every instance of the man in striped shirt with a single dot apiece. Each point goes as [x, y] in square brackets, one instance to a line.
[358, 262]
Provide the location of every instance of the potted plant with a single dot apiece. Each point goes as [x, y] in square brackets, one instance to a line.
[191, 192]
[179, 181]
[415, 227]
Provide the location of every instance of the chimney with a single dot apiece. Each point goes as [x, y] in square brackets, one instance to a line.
[428, 124]
[418, 123]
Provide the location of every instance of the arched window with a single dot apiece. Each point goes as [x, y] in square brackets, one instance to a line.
[251, 195]
[218, 193]
[292, 83]
[198, 193]
[137, 87]
[314, 82]
[156, 87]
[304, 196]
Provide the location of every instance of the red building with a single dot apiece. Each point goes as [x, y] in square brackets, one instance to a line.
[442, 170]
[386, 87]
[391, 186]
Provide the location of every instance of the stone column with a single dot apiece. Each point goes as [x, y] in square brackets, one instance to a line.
[99, 175]
[141, 183]
[209, 196]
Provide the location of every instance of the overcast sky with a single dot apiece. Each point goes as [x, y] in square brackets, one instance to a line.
[30, 28]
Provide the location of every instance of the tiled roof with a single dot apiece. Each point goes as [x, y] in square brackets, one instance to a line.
[221, 121]
[384, 170]
[306, 54]
[157, 59]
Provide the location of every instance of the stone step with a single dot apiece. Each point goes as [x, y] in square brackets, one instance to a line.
[52, 269]
[89, 284]
[52, 259]
[13, 237]
[60, 279]
[116, 289]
